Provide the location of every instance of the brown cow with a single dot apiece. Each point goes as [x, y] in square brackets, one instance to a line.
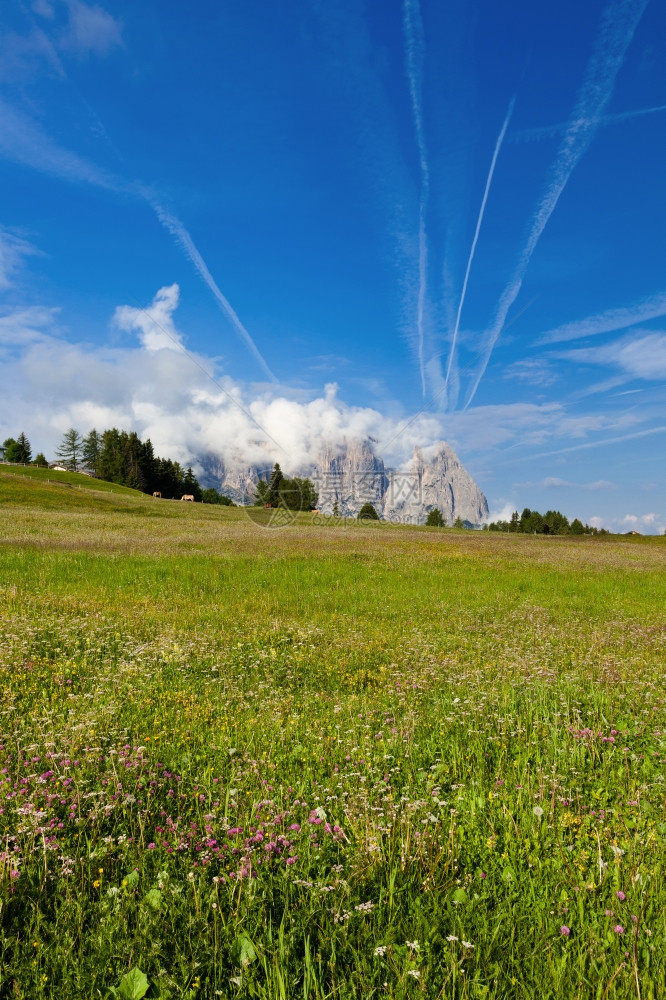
[188, 496]
[157, 494]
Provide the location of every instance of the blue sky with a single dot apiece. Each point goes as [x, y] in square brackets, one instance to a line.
[350, 214]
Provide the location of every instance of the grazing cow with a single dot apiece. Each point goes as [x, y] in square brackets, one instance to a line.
[188, 496]
[157, 494]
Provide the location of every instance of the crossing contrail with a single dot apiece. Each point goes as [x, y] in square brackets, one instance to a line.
[551, 131]
[619, 22]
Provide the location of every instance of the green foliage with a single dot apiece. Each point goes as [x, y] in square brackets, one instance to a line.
[272, 496]
[18, 450]
[459, 523]
[553, 522]
[435, 519]
[91, 450]
[40, 460]
[297, 494]
[212, 496]
[261, 495]
[279, 491]
[133, 986]
[368, 513]
[243, 951]
[69, 451]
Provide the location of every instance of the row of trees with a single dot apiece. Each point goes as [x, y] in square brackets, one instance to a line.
[435, 519]
[553, 522]
[19, 450]
[122, 457]
[118, 457]
[280, 491]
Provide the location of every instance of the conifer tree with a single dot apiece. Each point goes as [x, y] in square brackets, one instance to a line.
[70, 449]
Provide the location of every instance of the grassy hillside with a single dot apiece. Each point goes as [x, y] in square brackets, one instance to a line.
[325, 761]
[55, 477]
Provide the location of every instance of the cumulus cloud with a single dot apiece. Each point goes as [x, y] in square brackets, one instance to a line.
[154, 325]
[174, 396]
[152, 383]
[644, 524]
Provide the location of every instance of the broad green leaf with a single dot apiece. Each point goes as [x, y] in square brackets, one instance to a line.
[134, 985]
[153, 899]
[459, 896]
[131, 880]
[243, 951]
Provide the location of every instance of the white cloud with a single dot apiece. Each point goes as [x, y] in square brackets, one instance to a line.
[152, 384]
[167, 394]
[22, 326]
[502, 513]
[649, 523]
[154, 324]
[91, 30]
[641, 355]
[533, 371]
[644, 524]
[13, 248]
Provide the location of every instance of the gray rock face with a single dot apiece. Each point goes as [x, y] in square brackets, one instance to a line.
[354, 475]
[237, 481]
[442, 483]
[351, 478]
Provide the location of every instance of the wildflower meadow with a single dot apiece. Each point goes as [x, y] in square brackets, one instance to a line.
[324, 761]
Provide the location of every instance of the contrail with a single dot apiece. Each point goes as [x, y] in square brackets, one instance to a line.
[414, 55]
[25, 142]
[183, 238]
[550, 131]
[489, 180]
[619, 23]
[605, 322]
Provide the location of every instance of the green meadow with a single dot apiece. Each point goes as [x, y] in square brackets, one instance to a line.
[334, 760]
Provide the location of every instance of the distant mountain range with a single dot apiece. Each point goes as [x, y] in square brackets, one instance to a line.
[353, 475]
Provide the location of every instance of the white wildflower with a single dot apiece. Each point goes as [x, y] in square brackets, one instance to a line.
[415, 973]
[413, 945]
[538, 812]
[380, 950]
